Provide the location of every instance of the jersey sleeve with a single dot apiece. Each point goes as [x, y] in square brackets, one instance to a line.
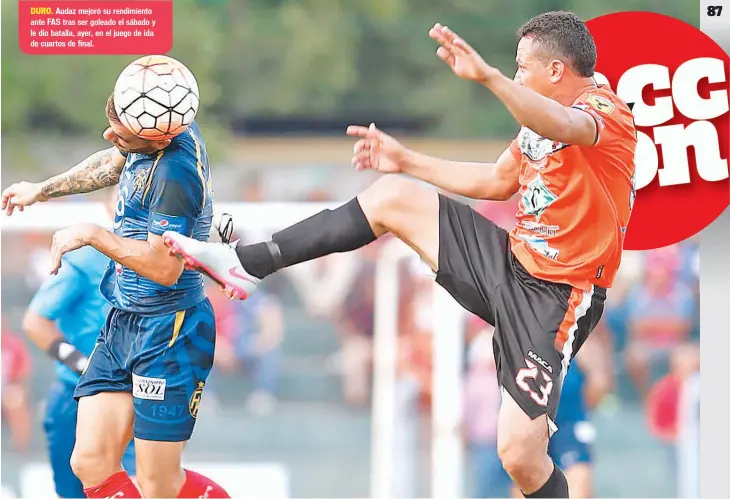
[59, 291]
[603, 111]
[175, 199]
[514, 148]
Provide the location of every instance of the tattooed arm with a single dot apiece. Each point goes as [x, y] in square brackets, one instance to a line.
[101, 169]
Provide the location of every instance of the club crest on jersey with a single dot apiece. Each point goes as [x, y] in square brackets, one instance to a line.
[140, 180]
[537, 198]
[600, 104]
[195, 399]
[536, 147]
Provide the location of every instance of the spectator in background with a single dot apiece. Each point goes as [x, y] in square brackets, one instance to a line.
[415, 329]
[249, 336]
[690, 257]
[482, 399]
[660, 312]
[16, 411]
[686, 365]
[354, 323]
[414, 372]
[253, 188]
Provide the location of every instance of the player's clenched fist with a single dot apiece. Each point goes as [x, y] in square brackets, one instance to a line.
[20, 195]
[461, 57]
[376, 150]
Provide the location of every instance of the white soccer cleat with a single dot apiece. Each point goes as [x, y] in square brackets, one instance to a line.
[218, 261]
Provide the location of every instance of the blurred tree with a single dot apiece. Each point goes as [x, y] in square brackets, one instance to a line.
[67, 94]
[319, 58]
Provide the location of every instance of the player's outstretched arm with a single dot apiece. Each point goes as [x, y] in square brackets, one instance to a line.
[492, 181]
[376, 150]
[542, 115]
[538, 113]
[101, 169]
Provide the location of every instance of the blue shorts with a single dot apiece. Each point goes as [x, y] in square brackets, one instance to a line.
[162, 360]
[60, 427]
[571, 444]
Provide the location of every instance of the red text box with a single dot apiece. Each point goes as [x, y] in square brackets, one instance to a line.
[95, 27]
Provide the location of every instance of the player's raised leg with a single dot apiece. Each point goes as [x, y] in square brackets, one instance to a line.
[392, 204]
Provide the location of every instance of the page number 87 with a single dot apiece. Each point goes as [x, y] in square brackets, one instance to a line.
[714, 10]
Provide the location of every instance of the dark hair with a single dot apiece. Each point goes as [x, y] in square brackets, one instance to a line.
[563, 34]
[111, 110]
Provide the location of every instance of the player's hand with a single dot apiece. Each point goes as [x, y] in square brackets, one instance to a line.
[376, 150]
[20, 195]
[461, 57]
[67, 240]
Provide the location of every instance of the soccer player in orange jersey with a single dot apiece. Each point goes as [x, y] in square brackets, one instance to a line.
[543, 284]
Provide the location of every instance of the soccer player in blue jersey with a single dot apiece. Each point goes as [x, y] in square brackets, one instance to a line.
[64, 319]
[146, 375]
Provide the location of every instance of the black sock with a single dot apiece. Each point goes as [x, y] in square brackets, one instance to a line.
[329, 231]
[259, 262]
[556, 486]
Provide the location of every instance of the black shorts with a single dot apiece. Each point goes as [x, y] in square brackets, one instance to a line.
[539, 325]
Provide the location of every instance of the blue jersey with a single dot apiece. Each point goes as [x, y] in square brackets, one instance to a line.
[71, 298]
[166, 191]
[572, 407]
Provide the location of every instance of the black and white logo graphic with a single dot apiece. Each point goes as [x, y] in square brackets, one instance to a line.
[148, 388]
[536, 147]
[537, 198]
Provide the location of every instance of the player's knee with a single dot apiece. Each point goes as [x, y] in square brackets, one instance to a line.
[93, 466]
[521, 455]
[387, 194]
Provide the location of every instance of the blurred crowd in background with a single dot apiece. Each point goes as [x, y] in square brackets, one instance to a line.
[280, 79]
[295, 348]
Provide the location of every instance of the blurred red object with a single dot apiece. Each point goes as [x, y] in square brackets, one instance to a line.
[501, 213]
[662, 407]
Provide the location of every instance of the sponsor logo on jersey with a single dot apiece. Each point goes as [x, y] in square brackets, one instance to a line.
[599, 272]
[537, 198]
[148, 388]
[541, 229]
[165, 224]
[541, 246]
[600, 104]
[592, 112]
[540, 361]
[536, 147]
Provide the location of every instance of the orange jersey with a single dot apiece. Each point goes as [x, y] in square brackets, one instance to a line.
[575, 201]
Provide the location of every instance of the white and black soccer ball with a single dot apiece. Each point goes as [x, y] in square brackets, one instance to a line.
[156, 97]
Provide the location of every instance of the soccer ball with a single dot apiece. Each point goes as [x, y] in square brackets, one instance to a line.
[156, 97]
